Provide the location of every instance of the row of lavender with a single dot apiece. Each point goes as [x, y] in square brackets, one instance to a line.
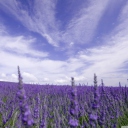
[62, 106]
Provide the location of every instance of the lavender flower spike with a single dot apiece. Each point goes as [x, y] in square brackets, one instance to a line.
[73, 122]
[93, 116]
[25, 110]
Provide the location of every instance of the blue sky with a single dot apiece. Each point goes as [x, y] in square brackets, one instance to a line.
[54, 40]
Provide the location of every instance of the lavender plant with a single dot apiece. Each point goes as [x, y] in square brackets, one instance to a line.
[73, 121]
[93, 116]
[24, 108]
[44, 118]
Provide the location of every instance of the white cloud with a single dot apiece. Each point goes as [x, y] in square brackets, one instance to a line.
[14, 76]
[3, 75]
[1, 79]
[29, 77]
[46, 79]
[60, 81]
[80, 78]
[20, 45]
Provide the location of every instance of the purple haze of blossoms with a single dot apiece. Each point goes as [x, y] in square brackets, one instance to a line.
[25, 110]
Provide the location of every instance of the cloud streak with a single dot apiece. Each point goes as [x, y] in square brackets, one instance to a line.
[81, 28]
[42, 20]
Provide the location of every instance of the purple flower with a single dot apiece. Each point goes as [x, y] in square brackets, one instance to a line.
[95, 106]
[72, 111]
[93, 117]
[73, 122]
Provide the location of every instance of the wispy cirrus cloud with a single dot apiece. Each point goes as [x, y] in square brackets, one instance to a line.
[42, 19]
[81, 28]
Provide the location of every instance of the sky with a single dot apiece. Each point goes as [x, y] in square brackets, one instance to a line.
[54, 40]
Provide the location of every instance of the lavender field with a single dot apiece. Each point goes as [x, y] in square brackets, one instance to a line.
[53, 106]
[73, 56]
